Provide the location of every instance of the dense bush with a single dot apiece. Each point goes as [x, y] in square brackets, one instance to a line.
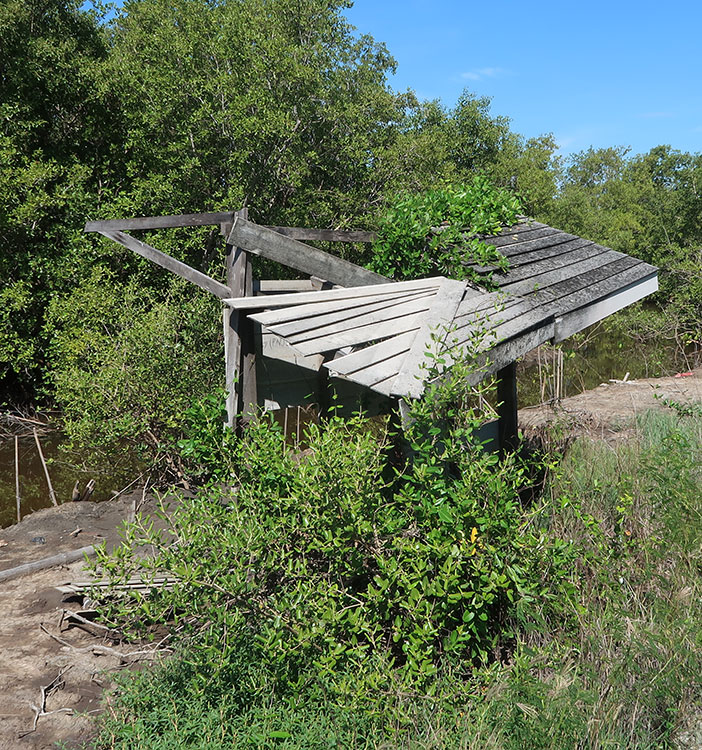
[433, 232]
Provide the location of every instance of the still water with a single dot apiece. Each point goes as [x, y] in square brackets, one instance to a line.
[34, 491]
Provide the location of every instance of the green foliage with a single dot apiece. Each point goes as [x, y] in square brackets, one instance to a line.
[128, 364]
[433, 232]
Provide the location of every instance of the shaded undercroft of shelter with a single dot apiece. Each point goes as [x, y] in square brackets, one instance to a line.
[286, 342]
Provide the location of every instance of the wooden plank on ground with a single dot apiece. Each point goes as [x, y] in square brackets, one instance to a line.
[303, 298]
[159, 222]
[410, 381]
[325, 235]
[171, 264]
[294, 254]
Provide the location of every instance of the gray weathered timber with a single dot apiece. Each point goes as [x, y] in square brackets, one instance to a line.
[563, 262]
[576, 321]
[409, 381]
[507, 407]
[239, 355]
[537, 249]
[572, 293]
[171, 264]
[325, 235]
[355, 336]
[522, 234]
[348, 307]
[505, 352]
[285, 286]
[549, 278]
[532, 256]
[359, 360]
[63, 558]
[159, 222]
[382, 370]
[353, 317]
[294, 254]
[331, 295]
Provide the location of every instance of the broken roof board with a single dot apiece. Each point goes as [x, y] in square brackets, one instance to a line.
[556, 285]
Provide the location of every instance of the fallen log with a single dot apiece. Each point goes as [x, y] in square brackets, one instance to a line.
[64, 558]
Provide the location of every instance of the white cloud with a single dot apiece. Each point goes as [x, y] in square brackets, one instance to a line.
[480, 73]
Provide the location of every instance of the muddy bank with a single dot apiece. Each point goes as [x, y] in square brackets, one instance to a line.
[611, 409]
[38, 647]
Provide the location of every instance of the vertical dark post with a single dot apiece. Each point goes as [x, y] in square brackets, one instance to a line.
[239, 354]
[507, 410]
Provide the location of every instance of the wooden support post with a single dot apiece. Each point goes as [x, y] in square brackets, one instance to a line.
[507, 409]
[52, 494]
[18, 498]
[239, 353]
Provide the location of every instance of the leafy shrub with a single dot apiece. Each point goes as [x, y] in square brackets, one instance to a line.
[337, 571]
[434, 232]
[127, 364]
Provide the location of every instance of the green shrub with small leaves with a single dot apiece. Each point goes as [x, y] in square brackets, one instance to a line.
[435, 232]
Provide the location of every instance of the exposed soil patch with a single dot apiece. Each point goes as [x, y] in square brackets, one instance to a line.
[38, 648]
[610, 410]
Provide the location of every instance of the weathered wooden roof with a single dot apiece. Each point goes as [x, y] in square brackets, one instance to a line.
[556, 285]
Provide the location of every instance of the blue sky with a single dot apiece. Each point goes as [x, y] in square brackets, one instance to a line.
[592, 73]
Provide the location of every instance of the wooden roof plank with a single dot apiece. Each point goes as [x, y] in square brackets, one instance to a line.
[313, 310]
[331, 312]
[379, 371]
[303, 298]
[301, 330]
[593, 289]
[449, 296]
[359, 360]
[541, 280]
[533, 256]
[563, 261]
[362, 335]
[260, 240]
[522, 236]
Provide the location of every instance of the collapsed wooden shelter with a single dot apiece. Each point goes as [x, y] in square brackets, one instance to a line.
[371, 335]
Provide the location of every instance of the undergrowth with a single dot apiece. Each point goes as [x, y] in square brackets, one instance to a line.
[338, 599]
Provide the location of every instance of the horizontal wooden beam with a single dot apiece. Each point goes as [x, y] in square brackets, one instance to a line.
[166, 261]
[263, 241]
[326, 235]
[392, 289]
[160, 222]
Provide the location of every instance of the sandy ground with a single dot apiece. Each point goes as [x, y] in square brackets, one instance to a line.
[611, 409]
[30, 659]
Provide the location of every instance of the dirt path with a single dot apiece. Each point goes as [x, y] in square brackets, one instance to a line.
[611, 409]
[30, 658]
